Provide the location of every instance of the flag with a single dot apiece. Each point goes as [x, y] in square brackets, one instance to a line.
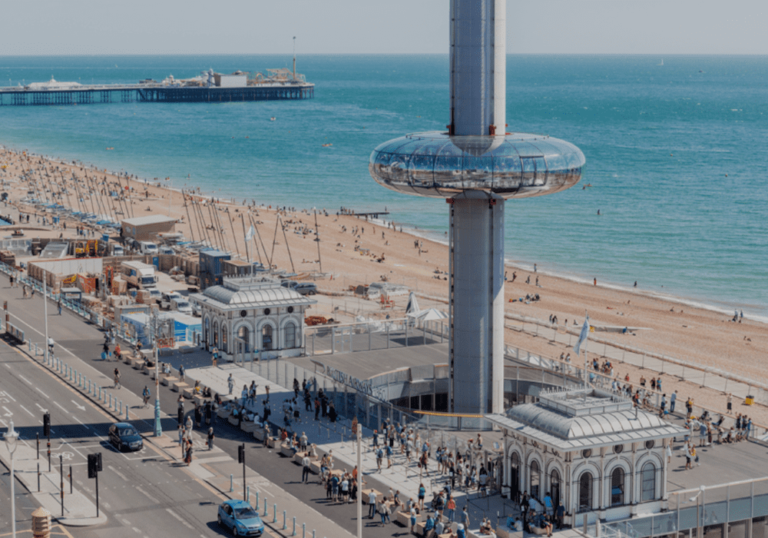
[250, 233]
[583, 336]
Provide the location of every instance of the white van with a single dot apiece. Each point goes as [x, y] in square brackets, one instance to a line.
[148, 247]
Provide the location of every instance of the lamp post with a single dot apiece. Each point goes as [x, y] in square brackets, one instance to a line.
[698, 519]
[10, 439]
[158, 425]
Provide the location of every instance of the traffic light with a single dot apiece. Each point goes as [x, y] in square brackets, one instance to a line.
[94, 464]
[241, 454]
[47, 425]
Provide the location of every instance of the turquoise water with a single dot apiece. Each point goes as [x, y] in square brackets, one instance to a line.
[677, 155]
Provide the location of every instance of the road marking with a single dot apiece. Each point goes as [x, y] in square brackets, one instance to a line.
[118, 473]
[183, 521]
[147, 495]
[7, 412]
[83, 424]
[27, 410]
[5, 394]
[41, 408]
[137, 531]
[27, 381]
[41, 392]
[80, 407]
[60, 407]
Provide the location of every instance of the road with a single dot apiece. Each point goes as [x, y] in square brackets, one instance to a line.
[144, 493]
[77, 339]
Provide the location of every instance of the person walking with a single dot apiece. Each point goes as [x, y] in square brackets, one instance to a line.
[188, 458]
[305, 464]
[672, 400]
[145, 394]
[230, 384]
[371, 504]
[211, 437]
[59, 305]
[117, 379]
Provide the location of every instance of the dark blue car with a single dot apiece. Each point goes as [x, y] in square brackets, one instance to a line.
[125, 437]
[240, 518]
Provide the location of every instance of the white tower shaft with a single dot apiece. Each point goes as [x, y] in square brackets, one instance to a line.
[478, 107]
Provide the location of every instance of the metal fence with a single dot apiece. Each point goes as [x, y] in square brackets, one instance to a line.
[726, 510]
[703, 376]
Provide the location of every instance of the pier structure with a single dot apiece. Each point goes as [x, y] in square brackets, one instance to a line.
[152, 93]
[476, 165]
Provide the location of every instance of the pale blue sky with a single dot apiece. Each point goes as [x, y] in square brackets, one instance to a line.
[45, 27]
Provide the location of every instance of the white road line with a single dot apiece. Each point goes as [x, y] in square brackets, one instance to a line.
[183, 521]
[137, 531]
[8, 412]
[60, 407]
[118, 473]
[41, 392]
[41, 408]
[83, 424]
[27, 410]
[147, 495]
[27, 381]
[9, 396]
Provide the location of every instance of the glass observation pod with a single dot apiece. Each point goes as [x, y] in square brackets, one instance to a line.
[516, 165]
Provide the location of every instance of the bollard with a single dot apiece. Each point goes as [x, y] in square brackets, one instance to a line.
[294, 526]
[231, 483]
[303, 530]
[284, 525]
[126, 414]
[30, 346]
[274, 513]
[36, 350]
[248, 494]
[256, 504]
[265, 507]
[313, 533]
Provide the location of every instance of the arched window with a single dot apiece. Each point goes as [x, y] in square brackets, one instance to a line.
[290, 335]
[514, 475]
[243, 339]
[585, 492]
[266, 337]
[649, 482]
[535, 480]
[617, 487]
[554, 487]
[215, 334]
[207, 332]
[224, 338]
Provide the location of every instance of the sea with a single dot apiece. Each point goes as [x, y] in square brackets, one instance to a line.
[676, 149]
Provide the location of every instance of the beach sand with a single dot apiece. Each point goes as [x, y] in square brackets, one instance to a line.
[697, 335]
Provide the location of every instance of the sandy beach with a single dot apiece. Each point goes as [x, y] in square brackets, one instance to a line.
[376, 252]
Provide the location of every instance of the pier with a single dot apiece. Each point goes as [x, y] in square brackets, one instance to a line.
[152, 93]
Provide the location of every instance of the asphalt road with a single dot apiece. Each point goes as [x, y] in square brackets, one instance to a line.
[85, 341]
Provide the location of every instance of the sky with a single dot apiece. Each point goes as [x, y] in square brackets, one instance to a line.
[98, 27]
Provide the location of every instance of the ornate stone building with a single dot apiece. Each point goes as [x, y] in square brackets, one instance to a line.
[589, 449]
[252, 314]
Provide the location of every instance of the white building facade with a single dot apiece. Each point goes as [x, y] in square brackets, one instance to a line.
[253, 316]
[589, 449]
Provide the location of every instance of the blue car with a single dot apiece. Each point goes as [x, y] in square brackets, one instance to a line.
[241, 518]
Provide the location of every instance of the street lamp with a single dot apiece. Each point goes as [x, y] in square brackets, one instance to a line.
[158, 424]
[11, 437]
[698, 520]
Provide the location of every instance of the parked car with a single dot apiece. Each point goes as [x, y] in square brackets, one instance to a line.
[182, 305]
[240, 517]
[125, 437]
[167, 300]
[290, 284]
[306, 288]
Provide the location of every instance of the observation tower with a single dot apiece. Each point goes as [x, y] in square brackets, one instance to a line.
[475, 166]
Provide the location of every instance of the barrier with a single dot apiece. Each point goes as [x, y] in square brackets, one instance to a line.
[16, 333]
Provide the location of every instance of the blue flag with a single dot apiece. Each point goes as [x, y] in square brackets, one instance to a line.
[582, 336]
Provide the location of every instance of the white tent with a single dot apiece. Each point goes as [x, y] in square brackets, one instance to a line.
[430, 314]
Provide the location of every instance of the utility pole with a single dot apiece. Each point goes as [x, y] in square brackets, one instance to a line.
[158, 425]
[359, 433]
[45, 315]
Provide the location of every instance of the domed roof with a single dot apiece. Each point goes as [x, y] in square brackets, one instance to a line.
[251, 292]
[437, 165]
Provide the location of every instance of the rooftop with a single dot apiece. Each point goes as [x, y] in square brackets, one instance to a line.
[149, 219]
[250, 292]
[577, 419]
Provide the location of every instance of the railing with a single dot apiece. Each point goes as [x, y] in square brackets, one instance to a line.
[710, 508]
[373, 334]
[703, 376]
